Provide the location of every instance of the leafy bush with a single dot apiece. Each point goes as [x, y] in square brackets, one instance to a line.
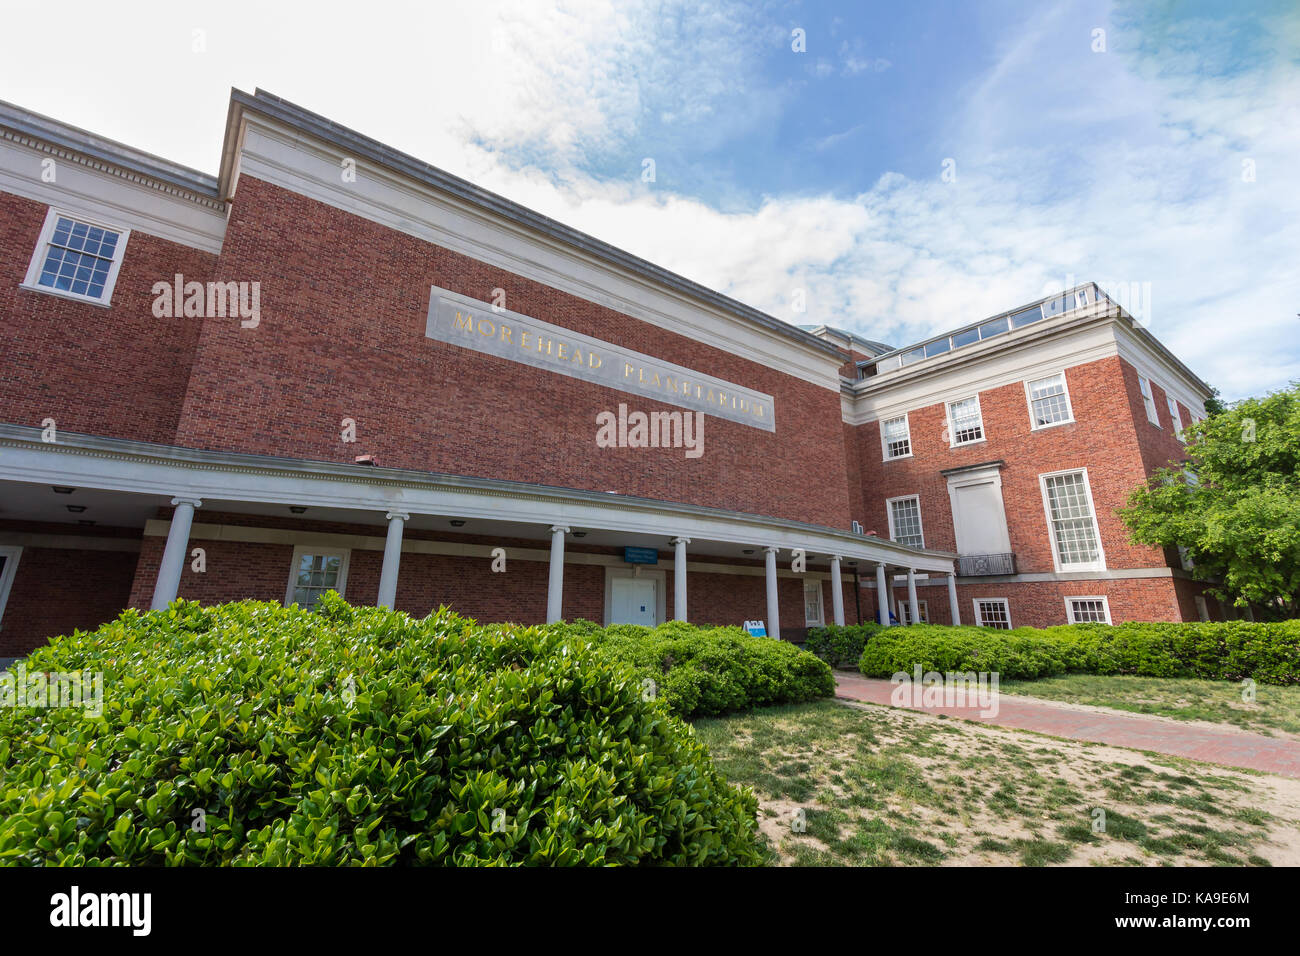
[702, 671]
[1232, 650]
[840, 646]
[355, 736]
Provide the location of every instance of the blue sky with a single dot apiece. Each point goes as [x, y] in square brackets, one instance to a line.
[1165, 161]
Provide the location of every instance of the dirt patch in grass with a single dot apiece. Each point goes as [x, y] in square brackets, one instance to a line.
[846, 784]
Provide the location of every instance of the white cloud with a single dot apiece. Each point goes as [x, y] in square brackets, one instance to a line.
[1061, 170]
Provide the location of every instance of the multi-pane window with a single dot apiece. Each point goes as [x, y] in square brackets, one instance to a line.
[1073, 525]
[812, 603]
[1049, 404]
[1175, 417]
[896, 436]
[77, 258]
[905, 521]
[1149, 400]
[993, 612]
[315, 571]
[905, 611]
[1081, 610]
[965, 421]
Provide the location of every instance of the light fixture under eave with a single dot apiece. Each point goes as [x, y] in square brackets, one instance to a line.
[76, 509]
[458, 522]
[747, 551]
[297, 509]
[579, 534]
[62, 489]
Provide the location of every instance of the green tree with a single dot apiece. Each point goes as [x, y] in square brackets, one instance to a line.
[1234, 504]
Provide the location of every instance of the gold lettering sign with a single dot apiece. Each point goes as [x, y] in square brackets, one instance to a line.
[469, 323]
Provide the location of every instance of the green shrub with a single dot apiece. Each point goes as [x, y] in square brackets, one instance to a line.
[1269, 653]
[840, 646]
[356, 736]
[703, 671]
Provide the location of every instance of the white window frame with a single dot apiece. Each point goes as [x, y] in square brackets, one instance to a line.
[904, 616]
[1100, 563]
[979, 618]
[37, 264]
[12, 553]
[1069, 607]
[884, 442]
[1175, 418]
[1029, 400]
[1149, 400]
[821, 609]
[952, 431]
[920, 520]
[300, 550]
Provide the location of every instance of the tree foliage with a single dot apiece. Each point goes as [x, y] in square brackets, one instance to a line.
[1235, 503]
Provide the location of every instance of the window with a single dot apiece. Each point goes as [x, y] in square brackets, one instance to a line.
[896, 438]
[77, 259]
[905, 521]
[1202, 609]
[905, 611]
[1175, 417]
[812, 603]
[9, 555]
[965, 423]
[1049, 402]
[993, 612]
[315, 571]
[1081, 610]
[1071, 522]
[1148, 400]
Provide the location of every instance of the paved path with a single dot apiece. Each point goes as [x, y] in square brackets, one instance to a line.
[1227, 746]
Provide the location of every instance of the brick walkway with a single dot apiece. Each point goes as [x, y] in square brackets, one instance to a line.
[1229, 747]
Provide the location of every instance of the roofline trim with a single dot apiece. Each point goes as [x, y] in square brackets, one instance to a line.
[361, 146]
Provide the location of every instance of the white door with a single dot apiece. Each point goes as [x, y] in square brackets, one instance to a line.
[634, 601]
[979, 519]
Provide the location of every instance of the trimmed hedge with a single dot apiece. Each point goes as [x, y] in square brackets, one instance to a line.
[703, 671]
[840, 646]
[1232, 650]
[356, 736]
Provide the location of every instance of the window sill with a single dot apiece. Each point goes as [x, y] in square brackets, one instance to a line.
[964, 444]
[1043, 428]
[898, 457]
[72, 296]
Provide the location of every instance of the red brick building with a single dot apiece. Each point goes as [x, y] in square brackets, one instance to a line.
[334, 366]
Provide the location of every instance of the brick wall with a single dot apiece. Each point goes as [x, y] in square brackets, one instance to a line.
[1102, 439]
[118, 372]
[57, 591]
[344, 303]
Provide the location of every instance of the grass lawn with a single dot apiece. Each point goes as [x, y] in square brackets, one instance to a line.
[1275, 710]
[882, 786]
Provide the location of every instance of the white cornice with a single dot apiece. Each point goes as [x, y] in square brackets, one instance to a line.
[1023, 354]
[102, 191]
[290, 159]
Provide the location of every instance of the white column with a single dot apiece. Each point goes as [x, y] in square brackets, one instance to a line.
[913, 609]
[555, 590]
[773, 606]
[952, 599]
[882, 596]
[837, 591]
[392, 558]
[174, 554]
[679, 578]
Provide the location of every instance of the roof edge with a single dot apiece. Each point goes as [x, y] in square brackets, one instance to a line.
[359, 145]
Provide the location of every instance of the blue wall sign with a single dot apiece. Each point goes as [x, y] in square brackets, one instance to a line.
[640, 555]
